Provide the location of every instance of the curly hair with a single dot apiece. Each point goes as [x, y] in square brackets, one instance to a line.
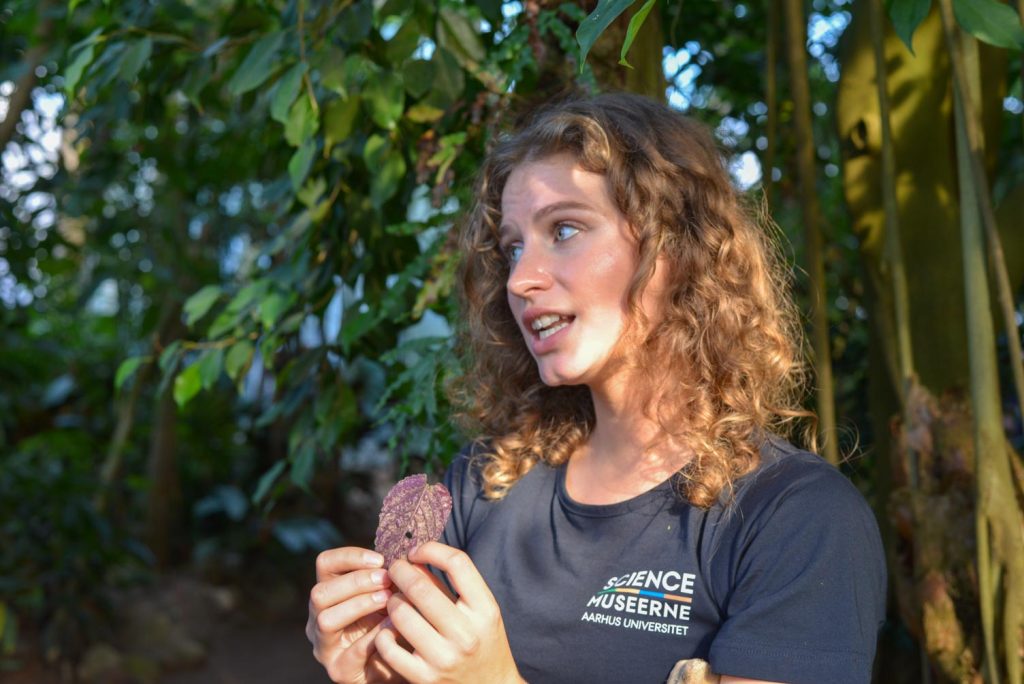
[722, 368]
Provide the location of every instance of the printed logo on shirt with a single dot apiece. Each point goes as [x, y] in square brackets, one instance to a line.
[649, 600]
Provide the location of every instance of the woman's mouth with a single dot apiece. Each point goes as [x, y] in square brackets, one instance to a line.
[549, 324]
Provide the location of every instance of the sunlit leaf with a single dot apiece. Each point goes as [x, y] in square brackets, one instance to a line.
[200, 303]
[990, 21]
[302, 123]
[210, 364]
[298, 165]
[634, 27]
[273, 306]
[424, 112]
[127, 369]
[386, 99]
[339, 119]
[257, 65]
[238, 359]
[187, 385]
[285, 91]
[906, 16]
[596, 22]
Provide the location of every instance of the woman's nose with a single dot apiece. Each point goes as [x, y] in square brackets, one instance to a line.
[530, 273]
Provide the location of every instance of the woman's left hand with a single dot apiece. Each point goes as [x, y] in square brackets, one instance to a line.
[461, 640]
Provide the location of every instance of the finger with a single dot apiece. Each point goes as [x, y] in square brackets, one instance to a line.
[459, 567]
[359, 658]
[336, 589]
[423, 591]
[409, 665]
[332, 620]
[421, 635]
[338, 561]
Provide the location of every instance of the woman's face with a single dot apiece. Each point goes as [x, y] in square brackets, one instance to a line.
[572, 257]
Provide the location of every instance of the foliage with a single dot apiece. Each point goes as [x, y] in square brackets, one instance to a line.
[246, 206]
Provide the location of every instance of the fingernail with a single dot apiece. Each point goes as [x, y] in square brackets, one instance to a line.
[379, 596]
[377, 576]
[371, 558]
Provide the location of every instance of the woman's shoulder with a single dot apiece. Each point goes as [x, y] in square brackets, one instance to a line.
[786, 472]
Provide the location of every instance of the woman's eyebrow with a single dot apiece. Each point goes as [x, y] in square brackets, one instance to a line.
[544, 211]
[558, 206]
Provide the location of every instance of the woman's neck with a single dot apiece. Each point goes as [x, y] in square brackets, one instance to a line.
[626, 454]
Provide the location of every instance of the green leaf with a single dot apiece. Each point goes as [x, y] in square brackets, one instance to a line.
[200, 303]
[238, 359]
[81, 54]
[355, 326]
[298, 165]
[634, 27]
[199, 73]
[387, 166]
[491, 9]
[354, 24]
[267, 481]
[312, 191]
[303, 460]
[273, 306]
[449, 79]
[210, 365]
[134, 58]
[418, 75]
[127, 369]
[596, 22]
[386, 97]
[403, 43]
[990, 21]
[285, 91]
[302, 123]
[169, 356]
[339, 119]
[906, 16]
[257, 65]
[187, 385]
[424, 112]
[461, 37]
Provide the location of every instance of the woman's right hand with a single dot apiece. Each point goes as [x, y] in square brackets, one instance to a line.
[346, 611]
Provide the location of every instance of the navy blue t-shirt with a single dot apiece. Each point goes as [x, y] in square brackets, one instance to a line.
[786, 584]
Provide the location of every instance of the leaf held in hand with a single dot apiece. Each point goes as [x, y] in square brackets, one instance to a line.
[414, 512]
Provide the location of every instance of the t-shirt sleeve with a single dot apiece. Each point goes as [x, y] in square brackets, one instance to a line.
[799, 578]
[463, 482]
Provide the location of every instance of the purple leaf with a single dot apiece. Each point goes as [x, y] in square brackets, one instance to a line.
[413, 513]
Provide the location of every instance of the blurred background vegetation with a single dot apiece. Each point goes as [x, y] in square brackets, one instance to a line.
[226, 272]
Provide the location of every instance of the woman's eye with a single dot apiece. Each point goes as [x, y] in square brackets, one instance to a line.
[513, 252]
[564, 232]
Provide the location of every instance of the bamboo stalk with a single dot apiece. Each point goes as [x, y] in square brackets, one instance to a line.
[893, 245]
[771, 101]
[976, 160]
[796, 31]
[998, 521]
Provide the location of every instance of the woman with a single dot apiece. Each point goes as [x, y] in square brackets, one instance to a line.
[632, 353]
